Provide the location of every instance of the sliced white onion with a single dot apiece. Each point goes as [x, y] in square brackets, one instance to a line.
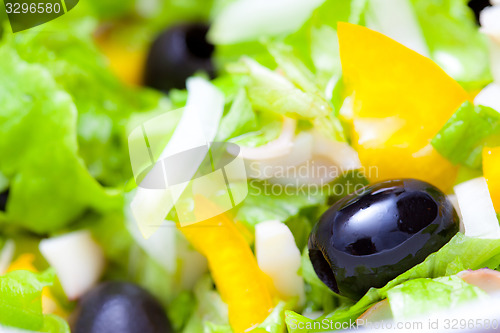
[161, 246]
[486, 279]
[340, 153]
[276, 148]
[77, 259]
[197, 127]
[247, 20]
[279, 257]
[476, 206]
[397, 20]
[454, 201]
[489, 96]
[192, 265]
[299, 153]
[490, 22]
[6, 255]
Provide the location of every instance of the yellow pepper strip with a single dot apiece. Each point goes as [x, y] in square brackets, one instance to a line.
[401, 101]
[127, 62]
[23, 262]
[49, 304]
[491, 167]
[242, 285]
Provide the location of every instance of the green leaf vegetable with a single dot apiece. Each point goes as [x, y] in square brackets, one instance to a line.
[21, 302]
[468, 131]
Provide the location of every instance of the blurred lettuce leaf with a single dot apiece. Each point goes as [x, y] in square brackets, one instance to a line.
[422, 296]
[49, 184]
[21, 295]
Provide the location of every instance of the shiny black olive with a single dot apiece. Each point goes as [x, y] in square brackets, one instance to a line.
[3, 200]
[120, 307]
[176, 54]
[368, 238]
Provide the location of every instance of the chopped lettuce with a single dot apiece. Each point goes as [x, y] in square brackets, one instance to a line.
[262, 204]
[422, 296]
[49, 184]
[454, 40]
[239, 119]
[459, 254]
[269, 91]
[103, 102]
[21, 302]
[470, 129]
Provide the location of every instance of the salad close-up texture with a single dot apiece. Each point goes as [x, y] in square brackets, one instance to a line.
[218, 166]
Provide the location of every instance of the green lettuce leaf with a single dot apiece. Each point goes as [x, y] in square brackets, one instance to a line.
[422, 296]
[463, 137]
[104, 104]
[454, 40]
[49, 184]
[21, 299]
[238, 120]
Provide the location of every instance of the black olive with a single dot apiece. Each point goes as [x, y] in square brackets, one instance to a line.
[477, 6]
[176, 54]
[368, 238]
[120, 307]
[3, 200]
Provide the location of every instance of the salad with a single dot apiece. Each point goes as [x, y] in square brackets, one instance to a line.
[250, 166]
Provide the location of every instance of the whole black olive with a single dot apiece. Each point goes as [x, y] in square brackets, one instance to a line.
[120, 307]
[368, 238]
[176, 54]
[3, 200]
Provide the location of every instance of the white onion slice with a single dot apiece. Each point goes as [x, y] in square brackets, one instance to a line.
[279, 257]
[340, 153]
[6, 255]
[397, 20]
[476, 206]
[247, 20]
[77, 259]
[197, 127]
[489, 96]
[490, 22]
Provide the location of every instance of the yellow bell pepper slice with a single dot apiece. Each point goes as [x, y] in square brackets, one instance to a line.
[401, 100]
[491, 167]
[241, 283]
[125, 61]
